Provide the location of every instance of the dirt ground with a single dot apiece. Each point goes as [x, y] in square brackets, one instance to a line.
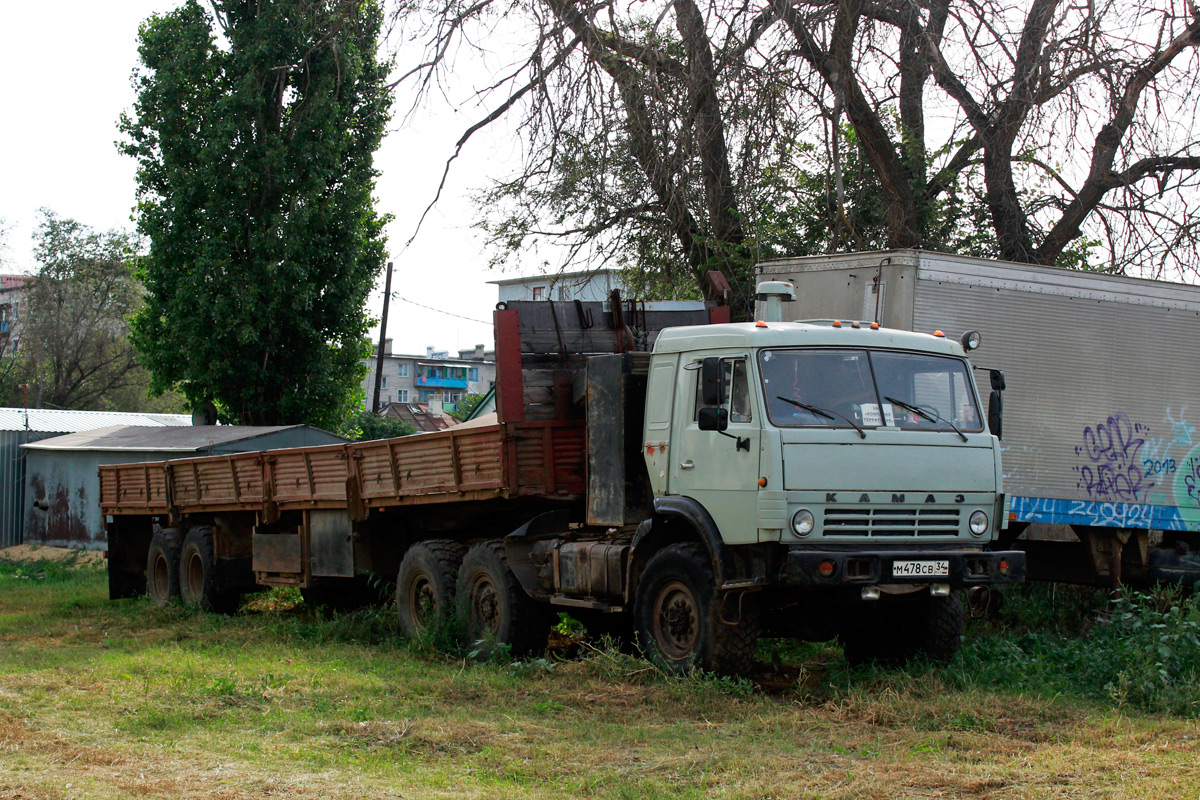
[34, 552]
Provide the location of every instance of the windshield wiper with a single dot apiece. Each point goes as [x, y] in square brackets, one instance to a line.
[920, 412]
[822, 412]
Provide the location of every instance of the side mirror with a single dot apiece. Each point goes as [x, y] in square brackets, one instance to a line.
[713, 419]
[996, 404]
[712, 383]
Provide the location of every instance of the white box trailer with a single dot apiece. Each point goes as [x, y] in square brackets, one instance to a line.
[1101, 448]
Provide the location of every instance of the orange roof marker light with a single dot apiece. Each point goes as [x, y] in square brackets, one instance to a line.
[837, 323]
[874, 326]
[939, 333]
[760, 324]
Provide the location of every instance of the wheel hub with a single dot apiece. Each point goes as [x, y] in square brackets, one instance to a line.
[676, 621]
[487, 606]
[423, 601]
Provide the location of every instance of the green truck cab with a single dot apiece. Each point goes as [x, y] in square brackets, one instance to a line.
[843, 470]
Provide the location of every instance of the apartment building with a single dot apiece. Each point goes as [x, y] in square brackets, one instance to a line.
[434, 377]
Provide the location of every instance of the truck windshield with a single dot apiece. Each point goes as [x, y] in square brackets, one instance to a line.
[852, 384]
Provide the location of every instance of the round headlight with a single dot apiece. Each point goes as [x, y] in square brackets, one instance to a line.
[971, 340]
[803, 522]
[978, 523]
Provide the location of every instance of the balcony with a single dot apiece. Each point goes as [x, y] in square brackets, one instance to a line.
[426, 382]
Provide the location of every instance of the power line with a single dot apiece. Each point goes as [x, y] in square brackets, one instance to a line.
[438, 310]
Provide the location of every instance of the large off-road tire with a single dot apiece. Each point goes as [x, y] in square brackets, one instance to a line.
[942, 627]
[162, 566]
[679, 623]
[493, 609]
[929, 626]
[204, 582]
[425, 584]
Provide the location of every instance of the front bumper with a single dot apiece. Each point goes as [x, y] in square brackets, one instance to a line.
[966, 567]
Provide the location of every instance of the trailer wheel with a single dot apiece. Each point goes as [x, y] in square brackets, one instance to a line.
[425, 584]
[203, 583]
[677, 619]
[493, 609]
[162, 566]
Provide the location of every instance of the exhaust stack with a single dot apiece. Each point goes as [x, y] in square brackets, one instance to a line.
[772, 294]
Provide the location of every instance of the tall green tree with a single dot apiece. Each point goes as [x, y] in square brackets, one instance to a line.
[254, 131]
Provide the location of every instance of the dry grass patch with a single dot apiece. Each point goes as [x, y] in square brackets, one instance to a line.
[123, 700]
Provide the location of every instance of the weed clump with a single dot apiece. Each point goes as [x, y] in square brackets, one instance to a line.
[1141, 650]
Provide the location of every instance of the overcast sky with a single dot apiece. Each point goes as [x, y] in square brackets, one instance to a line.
[67, 68]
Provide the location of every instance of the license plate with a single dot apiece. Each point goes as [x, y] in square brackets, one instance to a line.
[921, 569]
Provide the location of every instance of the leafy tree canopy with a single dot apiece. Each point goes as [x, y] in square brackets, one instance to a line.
[74, 349]
[683, 137]
[254, 130]
[466, 406]
[367, 425]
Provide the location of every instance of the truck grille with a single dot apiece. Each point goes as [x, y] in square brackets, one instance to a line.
[891, 522]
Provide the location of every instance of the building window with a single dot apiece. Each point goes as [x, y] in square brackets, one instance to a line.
[539, 293]
[402, 370]
[473, 374]
[383, 382]
[402, 396]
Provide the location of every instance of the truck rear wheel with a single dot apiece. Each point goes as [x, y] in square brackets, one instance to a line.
[494, 609]
[162, 566]
[203, 583]
[425, 584]
[678, 620]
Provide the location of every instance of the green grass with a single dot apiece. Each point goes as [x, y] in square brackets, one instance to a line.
[121, 699]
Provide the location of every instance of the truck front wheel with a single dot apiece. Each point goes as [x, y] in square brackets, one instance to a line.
[162, 566]
[678, 620]
[425, 584]
[493, 608]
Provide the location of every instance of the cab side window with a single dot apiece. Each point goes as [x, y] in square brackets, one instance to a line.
[737, 392]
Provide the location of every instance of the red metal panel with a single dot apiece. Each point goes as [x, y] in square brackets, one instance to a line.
[718, 315]
[510, 393]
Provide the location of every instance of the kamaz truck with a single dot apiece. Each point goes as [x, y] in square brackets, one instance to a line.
[662, 470]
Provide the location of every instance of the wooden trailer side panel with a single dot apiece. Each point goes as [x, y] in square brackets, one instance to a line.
[133, 488]
[308, 476]
[212, 482]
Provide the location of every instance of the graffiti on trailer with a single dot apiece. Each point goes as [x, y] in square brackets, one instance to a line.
[1191, 479]
[1111, 466]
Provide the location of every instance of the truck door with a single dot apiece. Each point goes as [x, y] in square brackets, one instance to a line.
[719, 471]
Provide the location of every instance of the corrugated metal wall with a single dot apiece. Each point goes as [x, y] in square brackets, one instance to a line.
[1103, 397]
[12, 483]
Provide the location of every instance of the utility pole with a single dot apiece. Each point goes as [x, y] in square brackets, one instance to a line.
[387, 296]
